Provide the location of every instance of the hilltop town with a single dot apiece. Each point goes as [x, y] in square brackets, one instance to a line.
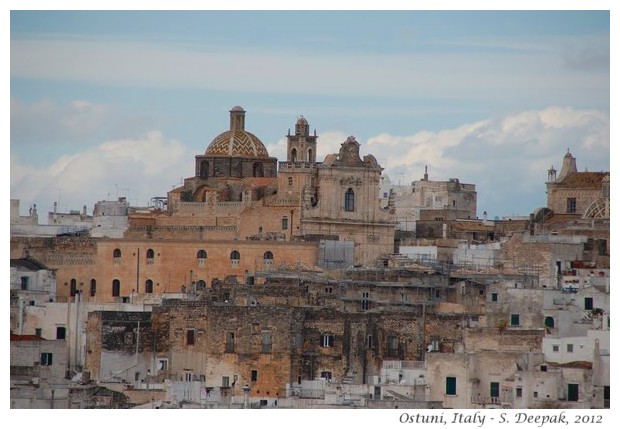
[306, 283]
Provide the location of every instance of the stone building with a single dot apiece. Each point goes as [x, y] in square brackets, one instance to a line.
[236, 216]
[578, 194]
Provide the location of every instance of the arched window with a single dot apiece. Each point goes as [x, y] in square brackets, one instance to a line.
[201, 285]
[290, 181]
[294, 155]
[268, 255]
[310, 153]
[204, 169]
[73, 287]
[150, 256]
[202, 254]
[258, 170]
[148, 286]
[116, 254]
[234, 257]
[549, 322]
[93, 287]
[349, 200]
[116, 287]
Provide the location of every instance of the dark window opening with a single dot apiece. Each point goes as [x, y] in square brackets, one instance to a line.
[25, 282]
[46, 359]
[116, 287]
[494, 390]
[327, 340]
[349, 200]
[61, 332]
[571, 205]
[588, 303]
[73, 287]
[450, 385]
[254, 375]
[117, 253]
[284, 223]
[93, 287]
[191, 337]
[148, 286]
[573, 392]
[514, 320]
[230, 342]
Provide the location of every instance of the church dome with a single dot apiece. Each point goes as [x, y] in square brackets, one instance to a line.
[237, 141]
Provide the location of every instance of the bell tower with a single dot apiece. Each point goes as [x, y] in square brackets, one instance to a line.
[301, 146]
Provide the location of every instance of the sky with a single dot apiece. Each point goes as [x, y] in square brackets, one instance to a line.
[116, 103]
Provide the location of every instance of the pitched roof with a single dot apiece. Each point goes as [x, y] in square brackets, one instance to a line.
[583, 180]
[28, 263]
[15, 337]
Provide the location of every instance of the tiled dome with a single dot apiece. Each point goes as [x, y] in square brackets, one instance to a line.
[237, 143]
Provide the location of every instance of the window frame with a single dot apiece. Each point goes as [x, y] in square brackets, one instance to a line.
[451, 386]
[349, 200]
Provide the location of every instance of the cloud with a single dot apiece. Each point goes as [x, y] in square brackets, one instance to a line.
[45, 122]
[483, 74]
[506, 157]
[138, 168]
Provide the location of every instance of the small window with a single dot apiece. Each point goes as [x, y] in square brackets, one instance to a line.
[327, 340]
[266, 342]
[571, 205]
[230, 342]
[392, 350]
[225, 382]
[38, 332]
[201, 285]
[450, 385]
[494, 389]
[254, 375]
[519, 392]
[569, 348]
[61, 332]
[290, 181]
[116, 287]
[191, 337]
[46, 359]
[327, 375]
[235, 257]
[556, 348]
[284, 223]
[93, 287]
[25, 282]
[514, 320]
[150, 256]
[365, 300]
[162, 364]
[148, 287]
[202, 254]
[268, 256]
[549, 322]
[349, 200]
[73, 287]
[543, 368]
[117, 253]
[328, 289]
[588, 303]
[494, 297]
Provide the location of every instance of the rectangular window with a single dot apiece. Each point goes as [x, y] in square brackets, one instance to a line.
[327, 375]
[514, 320]
[392, 350]
[284, 223]
[162, 364]
[230, 342]
[571, 205]
[450, 385]
[191, 337]
[60, 332]
[327, 340]
[519, 392]
[588, 303]
[365, 300]
[46, 359]
[254, 375]
[494, 389]
[266, 342]
[556, 348]
[225, 382]
[569, 348]
[38, 332]
[25, 282]
[494, 297]
[573, 392]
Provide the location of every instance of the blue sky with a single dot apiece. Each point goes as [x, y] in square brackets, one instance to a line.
[118, 103]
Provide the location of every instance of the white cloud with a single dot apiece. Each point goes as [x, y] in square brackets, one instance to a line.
[136, 168]
[464, 75]
[505, 157]
[46, 122]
